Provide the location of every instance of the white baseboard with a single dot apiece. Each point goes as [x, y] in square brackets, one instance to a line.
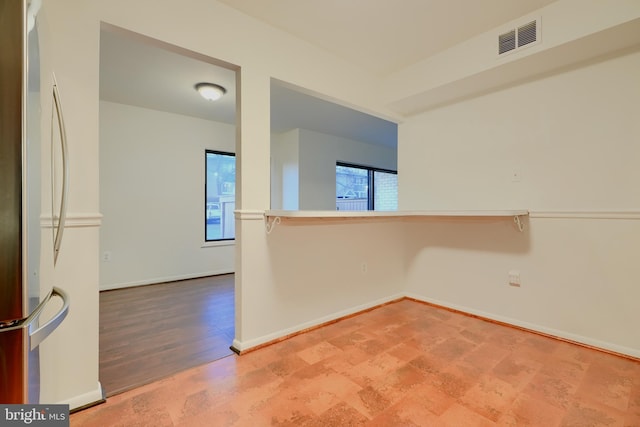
[86, 399]
[157, 280]
[248, 344]
[533, 327]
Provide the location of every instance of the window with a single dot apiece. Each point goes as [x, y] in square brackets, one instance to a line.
[220, 195]
[360, 188]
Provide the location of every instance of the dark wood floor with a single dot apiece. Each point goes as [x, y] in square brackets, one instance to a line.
[151, 332]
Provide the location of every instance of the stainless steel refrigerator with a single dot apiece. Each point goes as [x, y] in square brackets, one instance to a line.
[33, 187]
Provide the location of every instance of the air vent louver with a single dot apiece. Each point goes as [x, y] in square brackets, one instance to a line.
[507, 42]
[527, 34]
[513, 40]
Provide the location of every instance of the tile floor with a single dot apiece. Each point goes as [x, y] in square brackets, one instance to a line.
[402, 364]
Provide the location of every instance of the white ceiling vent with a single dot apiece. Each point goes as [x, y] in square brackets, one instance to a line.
[522, 36]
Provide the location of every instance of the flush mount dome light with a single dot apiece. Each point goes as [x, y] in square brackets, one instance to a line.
[210, 91]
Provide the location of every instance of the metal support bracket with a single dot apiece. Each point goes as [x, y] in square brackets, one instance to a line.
[271, 223]
[519, 223]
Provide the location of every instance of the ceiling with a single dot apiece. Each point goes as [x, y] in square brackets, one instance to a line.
[138, 71]
[379, 35]
[384, 36]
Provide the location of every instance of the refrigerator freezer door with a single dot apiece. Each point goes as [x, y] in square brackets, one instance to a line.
[29, 185]
[19, 357]
[13, 366]
[13, 304]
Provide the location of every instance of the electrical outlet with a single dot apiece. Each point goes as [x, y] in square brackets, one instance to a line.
[514, 278]
[106, 256]
[364, 267]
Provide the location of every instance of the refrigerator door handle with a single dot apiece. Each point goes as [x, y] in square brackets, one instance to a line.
[62, 216]
[37, 335]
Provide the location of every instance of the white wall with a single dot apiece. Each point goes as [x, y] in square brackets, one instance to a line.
[69, 35]
[319, 153]
[316, 155]
[572, 139]
[152, 175]
[285, 176]
[316, 274]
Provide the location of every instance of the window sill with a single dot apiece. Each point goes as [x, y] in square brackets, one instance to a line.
[217, 243]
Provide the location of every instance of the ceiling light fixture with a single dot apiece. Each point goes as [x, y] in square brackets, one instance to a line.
[210, 91]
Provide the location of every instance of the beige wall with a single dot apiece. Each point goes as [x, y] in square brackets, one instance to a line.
[572, 139]
[552, 129]
[473, 67]
[316, 274]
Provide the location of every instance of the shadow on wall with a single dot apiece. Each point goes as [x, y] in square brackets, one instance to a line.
[334, 252]
[353, 260]
[475, 234]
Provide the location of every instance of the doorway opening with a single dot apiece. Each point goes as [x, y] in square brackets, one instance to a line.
[166, 288]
